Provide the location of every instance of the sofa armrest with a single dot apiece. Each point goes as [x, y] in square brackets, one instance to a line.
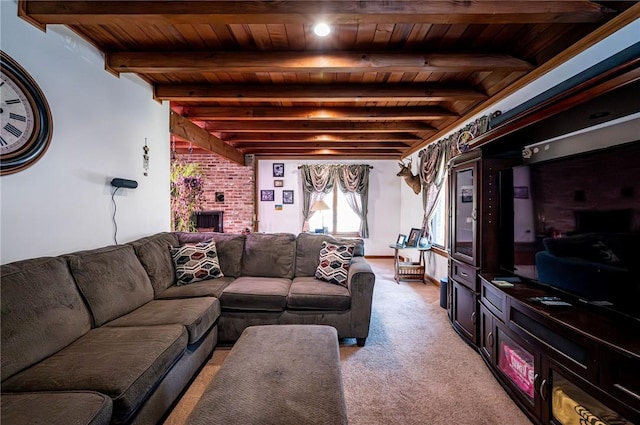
[360, 284]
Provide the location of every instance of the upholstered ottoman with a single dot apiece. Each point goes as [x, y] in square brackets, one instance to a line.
[278, 374]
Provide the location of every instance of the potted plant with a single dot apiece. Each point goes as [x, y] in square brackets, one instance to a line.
[187, 195]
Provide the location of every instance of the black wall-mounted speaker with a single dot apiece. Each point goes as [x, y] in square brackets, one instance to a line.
[127, 184]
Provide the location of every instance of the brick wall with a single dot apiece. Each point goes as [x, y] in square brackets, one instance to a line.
[235, 180]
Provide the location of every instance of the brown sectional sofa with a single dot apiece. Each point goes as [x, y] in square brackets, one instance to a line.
[106, 336]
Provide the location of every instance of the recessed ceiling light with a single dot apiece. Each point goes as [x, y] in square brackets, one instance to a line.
[322, 29]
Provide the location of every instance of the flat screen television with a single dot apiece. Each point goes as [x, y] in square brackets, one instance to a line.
[573, 223]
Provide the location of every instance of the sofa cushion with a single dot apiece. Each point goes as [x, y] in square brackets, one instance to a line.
[308, 293]
[195, 262]
[256, 293]
[124, 363]
[56, 408]
[42, 312]
[334, 263]
[229, 247]
[196, 314]
[153, 253]
[204, 288]
[308, 246]
[269, 255]
[112, 281]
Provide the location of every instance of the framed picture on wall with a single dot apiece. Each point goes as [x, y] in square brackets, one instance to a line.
[278, 183]
[267, 195]
[278, 169]
[466, 194]
[521, 192]
[287, 196]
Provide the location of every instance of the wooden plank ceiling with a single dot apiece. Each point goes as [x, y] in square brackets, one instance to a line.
[254, 78]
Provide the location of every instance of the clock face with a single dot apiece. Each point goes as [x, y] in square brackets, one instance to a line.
[25, 119]
[17, 125]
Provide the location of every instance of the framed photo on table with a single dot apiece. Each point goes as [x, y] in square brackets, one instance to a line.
[401, 240]
[414, 235]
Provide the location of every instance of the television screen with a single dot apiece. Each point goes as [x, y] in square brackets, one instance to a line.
[574, 224]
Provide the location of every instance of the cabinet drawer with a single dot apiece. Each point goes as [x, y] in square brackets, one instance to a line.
[572, 350]
[493, 298]
[620, 376]
[464, 274]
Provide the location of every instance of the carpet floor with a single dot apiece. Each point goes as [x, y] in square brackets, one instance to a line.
[414, 369]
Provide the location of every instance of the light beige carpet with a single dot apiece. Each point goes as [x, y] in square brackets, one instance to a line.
[414, 368]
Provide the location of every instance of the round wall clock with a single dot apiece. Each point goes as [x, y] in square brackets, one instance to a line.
[25, 118]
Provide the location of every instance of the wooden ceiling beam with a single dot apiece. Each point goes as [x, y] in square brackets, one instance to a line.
[316, 93]
[305, 12]
[316, 126]
[322, 145]
[411, 113]
[182, 147]
[328, 137]
[179, 62]
[185, 129]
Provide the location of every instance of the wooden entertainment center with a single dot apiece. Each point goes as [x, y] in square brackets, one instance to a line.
[559, 363]
[572, 353]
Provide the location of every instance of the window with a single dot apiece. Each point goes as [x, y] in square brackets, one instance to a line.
[339, 219]
[439, 220]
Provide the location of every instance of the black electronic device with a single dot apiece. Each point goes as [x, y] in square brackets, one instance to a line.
[584, 248]
[127, 184]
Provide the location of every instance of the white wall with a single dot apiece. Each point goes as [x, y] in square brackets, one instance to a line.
[384, 201]
[63, 202]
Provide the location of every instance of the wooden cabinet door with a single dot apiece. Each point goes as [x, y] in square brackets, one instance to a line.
[464, 212]
[486, 336]
[464, 311]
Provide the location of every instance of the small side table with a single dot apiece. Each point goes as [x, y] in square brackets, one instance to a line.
[409, 270]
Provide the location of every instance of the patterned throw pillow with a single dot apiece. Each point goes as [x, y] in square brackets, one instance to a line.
[195, 262]
[334, 263]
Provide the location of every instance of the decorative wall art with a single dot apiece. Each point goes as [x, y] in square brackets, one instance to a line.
[466, 194]
[278, 169]
[278, 183]
[267, 195]
[287, 196]
[521, 192]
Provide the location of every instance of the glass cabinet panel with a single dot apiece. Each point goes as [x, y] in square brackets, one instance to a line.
[517, 364]
[570, 405]
[463, 243]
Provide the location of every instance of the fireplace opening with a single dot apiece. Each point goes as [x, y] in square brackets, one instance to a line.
[208, 221]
